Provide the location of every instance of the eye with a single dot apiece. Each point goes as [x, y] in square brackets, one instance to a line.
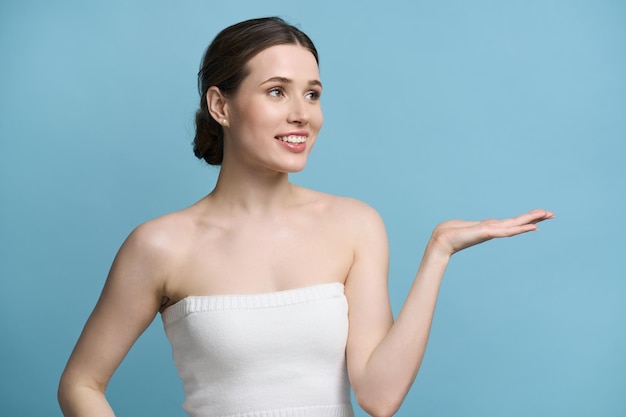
[276, 92]
[313, 95]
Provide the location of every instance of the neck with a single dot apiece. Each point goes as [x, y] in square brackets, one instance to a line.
[252, 191]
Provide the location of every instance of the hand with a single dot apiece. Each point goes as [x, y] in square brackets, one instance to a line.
[455, 235]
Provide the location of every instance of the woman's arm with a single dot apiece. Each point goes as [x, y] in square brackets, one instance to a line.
[129, 302]
[383, 356]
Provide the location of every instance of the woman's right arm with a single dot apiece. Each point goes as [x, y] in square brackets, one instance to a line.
[130, 299]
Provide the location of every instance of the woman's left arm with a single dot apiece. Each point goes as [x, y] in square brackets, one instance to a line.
[383, 357]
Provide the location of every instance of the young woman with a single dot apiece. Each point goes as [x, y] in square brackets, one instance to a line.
[274, 297]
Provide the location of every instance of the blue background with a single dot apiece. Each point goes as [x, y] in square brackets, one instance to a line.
[434, 110]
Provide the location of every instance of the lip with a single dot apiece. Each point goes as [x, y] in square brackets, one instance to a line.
[293, 133]
[293, 147]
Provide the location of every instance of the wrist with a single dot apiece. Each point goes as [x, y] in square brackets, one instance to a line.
[437, 251]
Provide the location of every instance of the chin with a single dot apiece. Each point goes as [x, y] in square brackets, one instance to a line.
[293, 166]
[294, 169]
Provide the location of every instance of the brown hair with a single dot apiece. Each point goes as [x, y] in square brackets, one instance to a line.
[224, 65]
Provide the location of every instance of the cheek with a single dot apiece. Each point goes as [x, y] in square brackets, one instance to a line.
[259, 116]
[319, 118]
[245, 121]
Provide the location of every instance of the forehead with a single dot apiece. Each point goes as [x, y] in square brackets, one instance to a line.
[289, 61]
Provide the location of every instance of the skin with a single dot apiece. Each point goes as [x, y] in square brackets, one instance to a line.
[291, 237]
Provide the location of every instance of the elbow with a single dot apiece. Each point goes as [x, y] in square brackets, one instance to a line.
[379, 411]
[74, 391]
[64, 391]
[376, 406]
[63, 396]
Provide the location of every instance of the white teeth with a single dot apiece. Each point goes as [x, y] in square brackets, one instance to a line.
[293, 139]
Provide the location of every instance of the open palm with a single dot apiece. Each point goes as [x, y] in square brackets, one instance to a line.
[455, 235]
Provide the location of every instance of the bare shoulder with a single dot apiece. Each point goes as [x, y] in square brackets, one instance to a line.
[357, 210]
[160, 243]
[364, 222]
[350, 213]
[354, 212]
[146, 265]
[162, 235]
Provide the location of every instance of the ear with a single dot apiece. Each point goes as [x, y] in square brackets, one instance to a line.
[218, 106]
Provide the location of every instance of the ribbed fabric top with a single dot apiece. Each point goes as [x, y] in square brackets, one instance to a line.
[279, 354]
[195, 304]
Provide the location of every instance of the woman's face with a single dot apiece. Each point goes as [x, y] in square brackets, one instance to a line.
[275, 115]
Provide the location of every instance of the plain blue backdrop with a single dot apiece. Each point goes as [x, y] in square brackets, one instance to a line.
[434, 110]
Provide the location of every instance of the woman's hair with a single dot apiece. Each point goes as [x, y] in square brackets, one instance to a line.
[225, 65]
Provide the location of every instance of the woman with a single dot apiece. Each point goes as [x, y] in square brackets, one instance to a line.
[254, 281]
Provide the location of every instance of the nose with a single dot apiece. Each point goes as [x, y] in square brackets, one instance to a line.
[298, 111]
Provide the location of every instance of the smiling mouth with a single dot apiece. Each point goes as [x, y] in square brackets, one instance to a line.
[292, 139]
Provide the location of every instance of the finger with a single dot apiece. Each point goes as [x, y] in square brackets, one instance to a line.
[509, 231]
[531, 217]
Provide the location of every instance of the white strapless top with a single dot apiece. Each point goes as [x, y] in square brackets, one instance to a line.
[279, 354]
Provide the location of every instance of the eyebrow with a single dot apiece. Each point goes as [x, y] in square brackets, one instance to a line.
[289, 81]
